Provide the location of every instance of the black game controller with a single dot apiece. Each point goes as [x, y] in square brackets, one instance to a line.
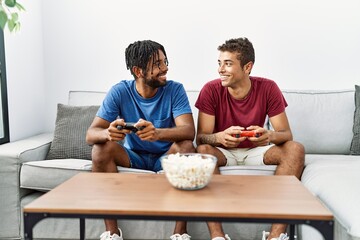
[130, 126]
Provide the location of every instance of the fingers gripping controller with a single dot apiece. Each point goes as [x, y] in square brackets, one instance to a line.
[247, 134]
[130, 126]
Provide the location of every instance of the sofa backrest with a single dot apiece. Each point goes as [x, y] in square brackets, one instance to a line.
[84, 98]
[321, 120]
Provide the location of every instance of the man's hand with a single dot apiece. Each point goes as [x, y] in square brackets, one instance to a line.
[228, 138]
[262, 140]
[148, 133]
[114, 134]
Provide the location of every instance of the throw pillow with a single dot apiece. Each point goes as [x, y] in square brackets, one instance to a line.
[355, 143]
[71, 126]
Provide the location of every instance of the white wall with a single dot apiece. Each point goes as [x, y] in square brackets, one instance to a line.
[300, 44]
[25, 74]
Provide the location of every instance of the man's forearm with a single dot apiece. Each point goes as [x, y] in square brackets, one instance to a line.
[279, 137]
[94, 136]
[207, 139]
[176, 134]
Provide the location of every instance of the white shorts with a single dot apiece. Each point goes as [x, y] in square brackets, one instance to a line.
[245, 156]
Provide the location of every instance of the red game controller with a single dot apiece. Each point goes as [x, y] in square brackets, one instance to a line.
[247, 134]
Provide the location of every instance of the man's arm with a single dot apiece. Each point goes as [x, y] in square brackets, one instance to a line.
[184, 130]
[282, 131]
[101, 131]
[205, 135]
[206, 124]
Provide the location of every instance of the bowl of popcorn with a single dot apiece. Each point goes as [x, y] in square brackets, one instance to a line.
[188, 171]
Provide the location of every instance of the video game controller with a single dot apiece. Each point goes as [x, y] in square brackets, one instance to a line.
[247, 134]
[130, 126]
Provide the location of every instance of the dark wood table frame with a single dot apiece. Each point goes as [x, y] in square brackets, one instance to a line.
[250, 199]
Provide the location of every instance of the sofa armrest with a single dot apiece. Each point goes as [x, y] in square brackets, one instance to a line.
[12, 155]
[28, 149]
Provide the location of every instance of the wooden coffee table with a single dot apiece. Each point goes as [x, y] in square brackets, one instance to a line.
[227, 198]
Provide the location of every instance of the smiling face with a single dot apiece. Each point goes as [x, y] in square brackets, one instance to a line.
[156, 70]
[230, 70]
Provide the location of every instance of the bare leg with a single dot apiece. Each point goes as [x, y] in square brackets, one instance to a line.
[215, 228]
[185, 146]
[208, 149]
[105, 158]
[289, 158]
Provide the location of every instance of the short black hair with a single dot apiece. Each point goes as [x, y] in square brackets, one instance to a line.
[242, 46]
[139, 53]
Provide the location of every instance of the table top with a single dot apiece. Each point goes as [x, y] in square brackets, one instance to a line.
[226, 196]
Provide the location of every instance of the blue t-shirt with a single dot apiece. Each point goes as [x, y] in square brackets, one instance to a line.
[123, 101]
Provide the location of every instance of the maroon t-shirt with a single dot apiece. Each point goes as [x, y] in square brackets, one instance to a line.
[264, 98]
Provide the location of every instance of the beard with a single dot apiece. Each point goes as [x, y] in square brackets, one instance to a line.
[154, 82]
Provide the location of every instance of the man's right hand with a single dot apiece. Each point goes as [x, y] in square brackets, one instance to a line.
[228, 137]
[114, 134]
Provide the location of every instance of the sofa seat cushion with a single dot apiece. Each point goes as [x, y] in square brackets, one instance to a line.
[334, 180]
[312, 158]
[47, 174]
[248, 170]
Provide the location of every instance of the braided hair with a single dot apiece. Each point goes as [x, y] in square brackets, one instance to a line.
[242, 46]
[139, 53]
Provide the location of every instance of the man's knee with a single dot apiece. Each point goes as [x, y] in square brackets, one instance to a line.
[295, 149]
[208, 149]
[102, 153]
[205, 148]
[298, 148]
[185, 146]
[285, 152]
[294, 154]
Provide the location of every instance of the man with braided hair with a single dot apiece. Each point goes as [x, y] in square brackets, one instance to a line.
[160, 110]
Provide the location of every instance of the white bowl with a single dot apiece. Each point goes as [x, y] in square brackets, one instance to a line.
[188, 171]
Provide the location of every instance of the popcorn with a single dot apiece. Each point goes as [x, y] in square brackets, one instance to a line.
[188, 171]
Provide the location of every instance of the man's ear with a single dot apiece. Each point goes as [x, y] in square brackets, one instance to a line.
[138, 72]
[248, 67]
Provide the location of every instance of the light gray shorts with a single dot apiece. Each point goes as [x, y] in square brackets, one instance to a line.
[245, 156]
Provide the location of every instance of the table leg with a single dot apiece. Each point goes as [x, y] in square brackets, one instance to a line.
[82, 228]
[30, 220]
[326, 228]
[292, 232]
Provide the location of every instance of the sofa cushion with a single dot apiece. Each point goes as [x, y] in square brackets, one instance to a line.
[85, 98]
[321, 120]
[335, 184]
[47, 174]
[50, 173]
[248, 170]
[355, 143]
[71, 125]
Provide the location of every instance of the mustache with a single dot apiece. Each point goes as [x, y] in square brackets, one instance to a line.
[161, 73]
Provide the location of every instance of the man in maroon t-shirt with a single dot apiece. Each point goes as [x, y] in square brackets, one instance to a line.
[236, 103]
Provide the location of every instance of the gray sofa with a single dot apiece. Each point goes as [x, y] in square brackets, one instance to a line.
[322, 120]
